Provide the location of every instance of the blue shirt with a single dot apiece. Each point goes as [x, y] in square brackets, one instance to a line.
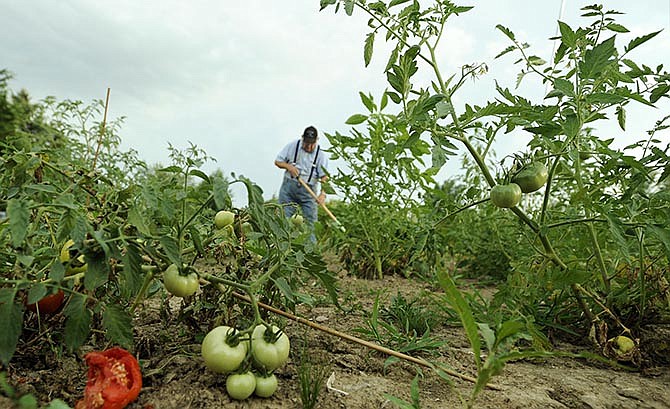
[304, 161]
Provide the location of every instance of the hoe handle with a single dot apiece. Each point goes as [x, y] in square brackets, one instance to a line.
[323, 205]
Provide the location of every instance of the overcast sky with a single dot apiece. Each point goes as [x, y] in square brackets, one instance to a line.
[243, 78]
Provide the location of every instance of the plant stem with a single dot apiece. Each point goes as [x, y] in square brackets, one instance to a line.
[457, 211]
[145, 286]
[214, 279]
[599, 257]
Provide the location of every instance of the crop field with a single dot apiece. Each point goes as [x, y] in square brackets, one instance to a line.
[539, 280]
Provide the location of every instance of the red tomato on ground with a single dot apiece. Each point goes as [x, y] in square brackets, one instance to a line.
[114, 380]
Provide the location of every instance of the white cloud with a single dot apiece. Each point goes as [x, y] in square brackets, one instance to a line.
[241, 79]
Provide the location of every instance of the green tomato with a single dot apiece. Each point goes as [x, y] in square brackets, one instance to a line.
[218, 354]
[531, 177]
[180, 285]
[266, 386]
[241, 385]
[297, 220]
[266, 354]
[624, 344]
[506, 196]
[223, 219]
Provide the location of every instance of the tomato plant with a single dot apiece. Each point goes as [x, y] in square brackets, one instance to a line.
[179, 284]
[579, 268]
[222, 350]
[241, 385]
[506, 196]
[266, 386]
[531, 177]
[114, 380]
[269, 347]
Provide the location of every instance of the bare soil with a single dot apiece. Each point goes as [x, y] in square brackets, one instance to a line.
[175, 377]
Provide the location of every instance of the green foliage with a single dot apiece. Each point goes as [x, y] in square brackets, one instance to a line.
[572, 232]
[313, 372]
[127, 222]
[402, 326]
[381, 187]
[414, 392]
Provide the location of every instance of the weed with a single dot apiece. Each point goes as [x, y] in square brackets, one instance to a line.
[312, 374]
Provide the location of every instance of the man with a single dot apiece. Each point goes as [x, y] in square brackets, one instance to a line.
[306, 160]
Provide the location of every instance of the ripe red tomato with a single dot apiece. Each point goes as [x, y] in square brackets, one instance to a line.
[114, 380]
[49, 304]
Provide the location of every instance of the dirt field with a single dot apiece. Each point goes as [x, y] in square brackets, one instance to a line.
[174, 375]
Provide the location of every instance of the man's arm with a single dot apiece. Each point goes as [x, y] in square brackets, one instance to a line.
[289, 167]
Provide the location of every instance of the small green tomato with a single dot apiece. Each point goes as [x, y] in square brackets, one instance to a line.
[240, 386]
[180, 285]
[266, 386]
[223, 219]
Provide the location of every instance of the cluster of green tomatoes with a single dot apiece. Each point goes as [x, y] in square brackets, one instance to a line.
[247, 357]
[529, 179]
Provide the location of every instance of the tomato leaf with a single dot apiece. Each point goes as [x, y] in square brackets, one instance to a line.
[349, 7]
[567, 35]
[36, 293]
[661, 235]
[641, 40]
[621, 117]
[617, 28]
[97, 272]
[396, 2]
[464, 311]
[197, 239]
[369, 46]
[220, 193]
[132, 270]
[171, 249]
[137, 220]
[367, 101]
[57, 404]
[11, 323]
[78, 324]
[356, 119]
[564, 86]
[119, 325]
[597, 59]
[19, 217]
[202, 175]
[506, 31]
[72, 225]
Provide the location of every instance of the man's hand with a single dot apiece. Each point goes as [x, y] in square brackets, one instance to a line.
[321, 198]
[293, 170]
